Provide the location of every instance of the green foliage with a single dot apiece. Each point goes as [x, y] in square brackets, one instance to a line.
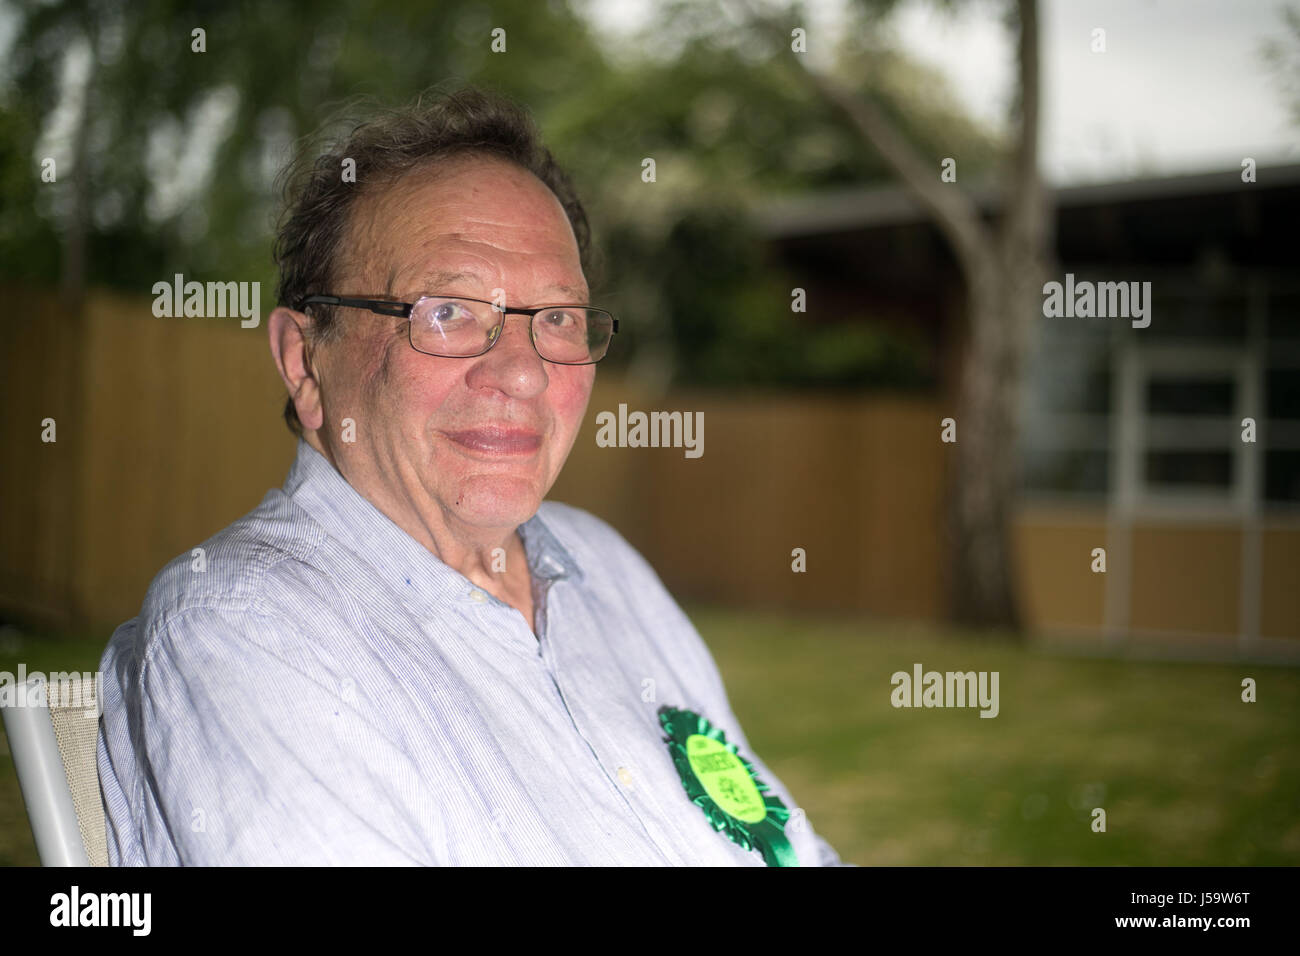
[28, 242]
[730, 317]
[182, 147]
[271, 71]
[1282, 55]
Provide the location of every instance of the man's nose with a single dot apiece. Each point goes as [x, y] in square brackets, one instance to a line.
[512, 364]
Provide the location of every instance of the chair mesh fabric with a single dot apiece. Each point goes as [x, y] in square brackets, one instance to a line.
[74, 714]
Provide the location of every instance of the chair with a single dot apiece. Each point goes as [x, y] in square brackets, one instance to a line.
[53, 731]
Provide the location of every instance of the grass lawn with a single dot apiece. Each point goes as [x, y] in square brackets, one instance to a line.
[1188, 774]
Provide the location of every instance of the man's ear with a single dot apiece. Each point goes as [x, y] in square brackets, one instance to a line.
[291, 349]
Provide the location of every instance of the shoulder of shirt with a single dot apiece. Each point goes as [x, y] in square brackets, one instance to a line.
[240, 564]
[268, 550]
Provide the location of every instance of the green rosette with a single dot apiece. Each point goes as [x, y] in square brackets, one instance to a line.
[724, 785]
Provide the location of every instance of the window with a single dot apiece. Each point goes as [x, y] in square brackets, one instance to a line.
[1065, 439]
[1153, 417]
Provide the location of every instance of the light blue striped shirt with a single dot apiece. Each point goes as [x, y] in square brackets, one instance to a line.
[326, 691]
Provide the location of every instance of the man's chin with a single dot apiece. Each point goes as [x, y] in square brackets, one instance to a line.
[495, 501]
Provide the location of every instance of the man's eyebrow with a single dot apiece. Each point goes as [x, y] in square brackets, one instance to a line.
[437, 281]
[434, 281]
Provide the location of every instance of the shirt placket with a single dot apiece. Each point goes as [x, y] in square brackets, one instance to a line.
[619, 779]
[483, 602]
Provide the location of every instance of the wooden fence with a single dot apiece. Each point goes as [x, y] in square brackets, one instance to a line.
[167, 429]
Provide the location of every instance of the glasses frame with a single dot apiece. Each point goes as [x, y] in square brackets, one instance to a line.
[405, 310]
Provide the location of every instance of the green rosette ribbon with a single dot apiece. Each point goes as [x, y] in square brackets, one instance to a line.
[724, 785]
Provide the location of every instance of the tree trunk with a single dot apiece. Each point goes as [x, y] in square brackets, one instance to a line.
[980, 585]
[1003, 298]
[1004, 286]
[1003, 267]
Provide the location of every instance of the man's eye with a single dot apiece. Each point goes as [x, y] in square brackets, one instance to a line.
[559, 318]
[446, 312]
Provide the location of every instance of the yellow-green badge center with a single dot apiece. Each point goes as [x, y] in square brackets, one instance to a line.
[725, 778]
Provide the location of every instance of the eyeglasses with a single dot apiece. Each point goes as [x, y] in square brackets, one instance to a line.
[453, 327]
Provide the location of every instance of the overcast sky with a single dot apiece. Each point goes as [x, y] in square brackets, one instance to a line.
[1181, 87]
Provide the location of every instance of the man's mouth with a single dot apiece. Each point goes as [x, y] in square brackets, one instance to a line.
[497, 440]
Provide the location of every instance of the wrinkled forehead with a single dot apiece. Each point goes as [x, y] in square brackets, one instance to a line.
[467, 205]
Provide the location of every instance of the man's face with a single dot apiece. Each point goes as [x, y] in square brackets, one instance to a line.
[479, 439]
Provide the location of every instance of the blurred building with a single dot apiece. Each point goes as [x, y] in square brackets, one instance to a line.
[1133, 437]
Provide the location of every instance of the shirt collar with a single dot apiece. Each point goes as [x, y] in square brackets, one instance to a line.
[347, 515]
[547, 557]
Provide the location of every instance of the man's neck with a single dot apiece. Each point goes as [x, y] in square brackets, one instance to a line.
[496, 563]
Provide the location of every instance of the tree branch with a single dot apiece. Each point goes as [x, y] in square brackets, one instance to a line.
[1024, 197]
[953, 211]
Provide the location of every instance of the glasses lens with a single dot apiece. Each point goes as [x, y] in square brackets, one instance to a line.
[452, 327]
[572, 335]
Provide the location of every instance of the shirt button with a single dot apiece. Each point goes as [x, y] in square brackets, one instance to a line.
[625, 776]
[478, 597]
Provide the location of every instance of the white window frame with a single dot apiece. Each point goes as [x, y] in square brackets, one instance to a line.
[1137, 431]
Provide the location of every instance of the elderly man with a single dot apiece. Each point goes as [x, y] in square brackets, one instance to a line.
[404, 655]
